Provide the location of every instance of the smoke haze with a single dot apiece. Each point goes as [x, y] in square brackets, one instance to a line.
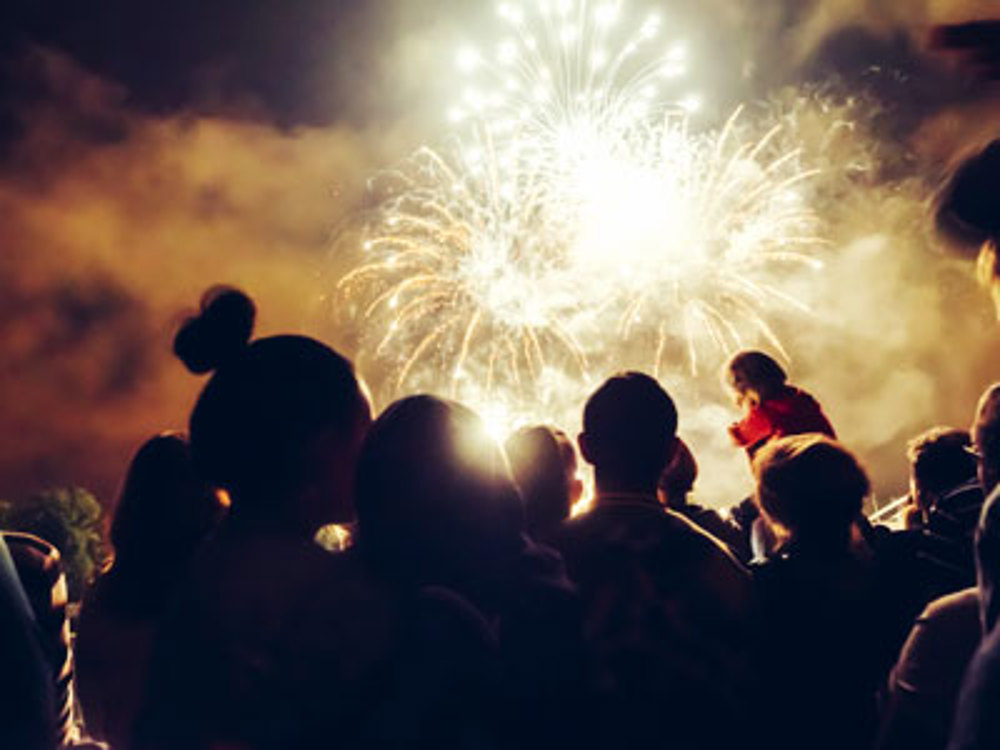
[124, 194]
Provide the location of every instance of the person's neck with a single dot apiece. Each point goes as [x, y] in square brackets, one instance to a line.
[272, 525]
[611, 489]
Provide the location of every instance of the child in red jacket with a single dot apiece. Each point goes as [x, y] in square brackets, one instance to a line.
[773, 407]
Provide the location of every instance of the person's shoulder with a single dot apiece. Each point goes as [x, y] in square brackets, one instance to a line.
[960, 604]
[977, 723]
[698, 537]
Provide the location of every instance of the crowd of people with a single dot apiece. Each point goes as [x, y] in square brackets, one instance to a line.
[468, 606]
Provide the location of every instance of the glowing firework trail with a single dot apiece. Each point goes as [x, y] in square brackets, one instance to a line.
[694, 229]
[566, 64]
[466, 270]
[575, 218]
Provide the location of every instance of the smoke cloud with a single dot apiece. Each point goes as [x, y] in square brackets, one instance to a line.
[120, 207]
[114, 223]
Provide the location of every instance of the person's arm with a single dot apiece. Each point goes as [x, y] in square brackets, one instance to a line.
[752, 429]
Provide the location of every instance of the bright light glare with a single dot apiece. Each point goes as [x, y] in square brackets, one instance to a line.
[575, 216]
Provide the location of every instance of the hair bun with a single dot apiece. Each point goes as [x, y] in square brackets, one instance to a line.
[219, 332]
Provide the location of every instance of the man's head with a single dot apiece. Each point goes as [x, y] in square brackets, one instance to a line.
[940, 461]
[986, 438]
[629, 433]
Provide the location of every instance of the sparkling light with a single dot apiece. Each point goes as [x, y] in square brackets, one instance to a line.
[575, 216]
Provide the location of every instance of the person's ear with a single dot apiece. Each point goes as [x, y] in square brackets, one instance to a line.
[671, 451]
[575, 490]
[586, 447]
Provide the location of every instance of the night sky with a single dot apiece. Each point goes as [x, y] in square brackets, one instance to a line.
[151, 149]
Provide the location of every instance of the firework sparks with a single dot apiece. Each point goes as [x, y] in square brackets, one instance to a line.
[466, 271]
[694, 229]
[575, 215]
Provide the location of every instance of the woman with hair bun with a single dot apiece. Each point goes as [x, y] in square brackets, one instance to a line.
[246, 652]
[279, 424]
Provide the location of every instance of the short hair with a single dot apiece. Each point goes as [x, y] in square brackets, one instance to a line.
[940, 459]
[810, 486]
[542, 459]
[677, 480]
[630, 423]
[756, 370]
[435, 500]
[986, 427]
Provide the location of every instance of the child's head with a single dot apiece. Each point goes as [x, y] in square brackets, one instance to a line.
[754, 377]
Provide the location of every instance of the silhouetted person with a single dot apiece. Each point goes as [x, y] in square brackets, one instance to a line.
[833, 621]
[773, 407]
[976, 726]
[668, 610]
[968, 214]
[437, 507]
[946, 488]
[675, 488]
[259, 647]
[165, 511]
[27, 702]
[924, 684]
[543, 462]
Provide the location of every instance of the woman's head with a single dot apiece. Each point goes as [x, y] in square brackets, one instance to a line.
[754, 377]
[543, 461]
[281, 420]
[436, 503]
[811, 488]
[165, 509]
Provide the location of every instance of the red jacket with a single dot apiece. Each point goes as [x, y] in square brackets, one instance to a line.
[793, 412]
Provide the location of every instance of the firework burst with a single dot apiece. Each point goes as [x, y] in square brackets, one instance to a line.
[465, 273]
[575, 217]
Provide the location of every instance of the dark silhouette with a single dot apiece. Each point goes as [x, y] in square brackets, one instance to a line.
[949, 499]
[924, 684]
[668, 611]
[279, 424]
[258, 645]
[834, 621]
[968, 211]
[543, 462]
[437, 507]
[447, 513]
[976, 724]
[675, 488]
[28, 705]
[773, 407]
[164, 513]
[41, 576]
